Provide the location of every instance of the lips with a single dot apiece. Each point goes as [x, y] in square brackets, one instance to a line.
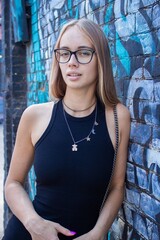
[73, 74]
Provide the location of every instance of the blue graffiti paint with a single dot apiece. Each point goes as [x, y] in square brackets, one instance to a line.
[29, 2]
[69, 2]
[123, 55]
[37, 68]
[19, 21]
[38, 91]
[109, 13]
[95, 4]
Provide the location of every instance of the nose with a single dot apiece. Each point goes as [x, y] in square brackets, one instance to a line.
[73, 60]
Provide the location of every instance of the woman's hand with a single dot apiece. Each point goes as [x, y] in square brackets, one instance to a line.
[42, 229]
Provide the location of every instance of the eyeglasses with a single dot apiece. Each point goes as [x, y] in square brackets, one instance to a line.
[82, 56]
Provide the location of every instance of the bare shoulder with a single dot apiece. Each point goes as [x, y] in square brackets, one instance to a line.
[36, 110]
[124, 122]
[122, 109]
[36, 119]
[123, 114]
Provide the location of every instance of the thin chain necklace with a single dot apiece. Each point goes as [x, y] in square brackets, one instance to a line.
[88, 137]
[74, 110]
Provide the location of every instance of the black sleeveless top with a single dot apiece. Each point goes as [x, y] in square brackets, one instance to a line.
[71, 184]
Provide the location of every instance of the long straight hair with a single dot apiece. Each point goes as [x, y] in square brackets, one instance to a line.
[105, 88]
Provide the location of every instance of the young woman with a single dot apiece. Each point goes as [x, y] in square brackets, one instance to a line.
[71, 141]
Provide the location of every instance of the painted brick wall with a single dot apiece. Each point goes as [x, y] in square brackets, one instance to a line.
[133, 31]
[13, 80]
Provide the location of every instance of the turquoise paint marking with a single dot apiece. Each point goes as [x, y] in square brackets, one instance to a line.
[19, 21]
[37, 68]
[32, 183]
[29, 2]
[37, 81]
[34, 8]
[135, 38]
[109, 13]
[42, 96]
[123, 55]
[107, 31]
[77, 13]
[69, 2]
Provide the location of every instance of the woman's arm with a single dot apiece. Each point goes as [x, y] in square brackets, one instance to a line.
[22, 159]
[32, 124]
[116, 191]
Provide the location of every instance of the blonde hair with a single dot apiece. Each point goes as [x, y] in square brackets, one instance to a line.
[105, 88]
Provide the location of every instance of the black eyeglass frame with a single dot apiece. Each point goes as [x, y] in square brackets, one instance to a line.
[75, 54]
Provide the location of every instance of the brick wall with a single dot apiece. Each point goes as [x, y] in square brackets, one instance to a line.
[133, 31]
[13, 77]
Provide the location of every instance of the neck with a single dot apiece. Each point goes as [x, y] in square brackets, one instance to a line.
[79, 107]
[79, 110]
[80, 101]
[79, 98]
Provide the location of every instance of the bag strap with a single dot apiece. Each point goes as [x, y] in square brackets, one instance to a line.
[115, 155]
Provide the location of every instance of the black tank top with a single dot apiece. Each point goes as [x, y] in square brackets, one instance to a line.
[71, 184]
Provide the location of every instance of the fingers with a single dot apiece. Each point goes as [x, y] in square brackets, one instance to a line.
[64, 230]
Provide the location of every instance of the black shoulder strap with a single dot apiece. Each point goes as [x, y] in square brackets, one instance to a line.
[116, 130]
[115, 154]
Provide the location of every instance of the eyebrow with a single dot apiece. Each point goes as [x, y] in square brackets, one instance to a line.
[80, 47]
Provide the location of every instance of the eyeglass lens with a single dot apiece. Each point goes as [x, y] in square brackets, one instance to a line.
[82, 56]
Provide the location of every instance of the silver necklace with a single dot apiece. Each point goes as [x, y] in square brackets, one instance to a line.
[88, 137]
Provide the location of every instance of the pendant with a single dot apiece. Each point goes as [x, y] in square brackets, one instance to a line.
[74, 147]
[93, 131]
[88, 138]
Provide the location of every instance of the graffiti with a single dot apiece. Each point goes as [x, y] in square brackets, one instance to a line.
[37, 79]
[140, 99]
[132, 29]
[19, 21]
[54, 4]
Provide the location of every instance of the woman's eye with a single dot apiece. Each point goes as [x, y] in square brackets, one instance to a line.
[85, 53]
[64, 54]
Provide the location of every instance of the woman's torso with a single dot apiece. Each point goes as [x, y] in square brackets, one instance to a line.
[71, 184]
